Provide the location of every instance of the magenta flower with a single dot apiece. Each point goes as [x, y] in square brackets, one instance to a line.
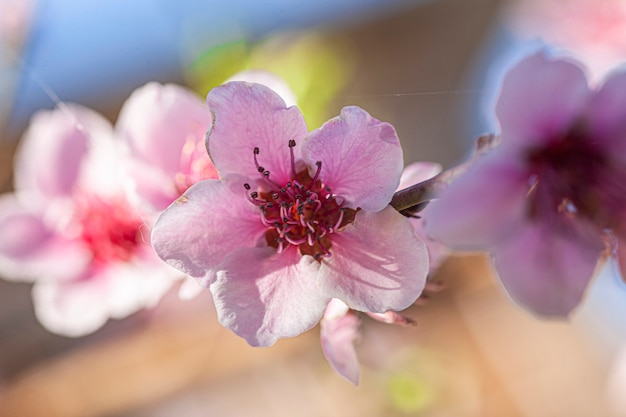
[295, 219]
[546, 199]
[164, 127]
[340, 326]
[69, 228]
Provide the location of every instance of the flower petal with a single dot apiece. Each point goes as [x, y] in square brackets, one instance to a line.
[361, 158]
[339, 329]
[262, 296]
[418, 172]
[149, 187]
[158, 120]
[268, 79]
[541, 98]
[544, 271]
[29, 249]
[210, 220]
[81, 306]
[250, 115]
[481, 207]
[377, 264]
[57, 140]
[607, 114]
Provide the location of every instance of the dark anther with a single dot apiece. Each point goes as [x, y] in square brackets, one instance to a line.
[285, 219]
[256, 151]
[292, 143]
[266, 173]
[318, 163]
[276, 224]
[261, 169]
[298, 196]
[269, 205]
[275, 196]
[317, 256]
[246, 186]
[254, 194]
[283, 190]
[288, 184]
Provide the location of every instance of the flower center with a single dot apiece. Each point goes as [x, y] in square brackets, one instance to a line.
[302, 212]
[110, 229]
[574, 177]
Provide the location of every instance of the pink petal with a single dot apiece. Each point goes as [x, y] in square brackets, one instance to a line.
[81, 306]
[338, 332]
[29, 249]
[205, 224]
[607, 114]
[545, 271]
[392, 317]
[157, 120]
[268, 79]
[418, 172]
[437, 250]
[413, 174]
[262, 296]
[190, 289]
[483, 206]
[377, 264]
[361, 158]
[69, 309]
[251, 115]
[57, 140]
[541, 98]
[149, 187]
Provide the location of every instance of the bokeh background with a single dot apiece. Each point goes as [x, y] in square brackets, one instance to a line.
[429, 67]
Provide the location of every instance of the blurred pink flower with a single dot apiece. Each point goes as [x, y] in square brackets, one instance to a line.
[546, 199]
[339, 325]
[164, 127]
[69, 228]
[593, 30]
[295, 220]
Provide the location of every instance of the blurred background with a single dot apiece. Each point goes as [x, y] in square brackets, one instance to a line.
[429, 67]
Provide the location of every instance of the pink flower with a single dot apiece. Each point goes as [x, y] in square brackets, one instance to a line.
[164, 127]
[295, 219]
[69, 228]
[547, 199]
[340, 326]
[594, 30]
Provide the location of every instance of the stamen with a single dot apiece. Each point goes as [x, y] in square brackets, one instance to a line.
[256, 160]
[302, 211]
[292, 144]
[339, 220]
[317, 173]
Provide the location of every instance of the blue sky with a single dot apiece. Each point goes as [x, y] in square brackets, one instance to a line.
[86, 51]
